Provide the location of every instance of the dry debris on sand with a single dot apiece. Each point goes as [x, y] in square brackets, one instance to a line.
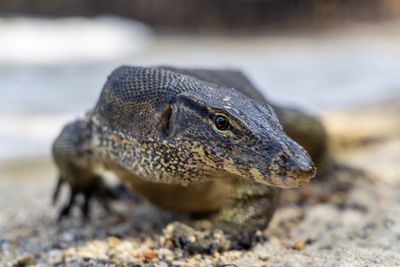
[349, 219]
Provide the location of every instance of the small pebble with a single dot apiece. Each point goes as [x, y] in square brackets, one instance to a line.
[149, 255]
[113, 241]
[299, 245]
[68, 237]
[216, 254]
[177, 263]
[23, 261]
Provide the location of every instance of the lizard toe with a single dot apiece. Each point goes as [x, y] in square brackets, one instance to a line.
[194, 241]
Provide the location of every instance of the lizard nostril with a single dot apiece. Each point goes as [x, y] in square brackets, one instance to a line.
[283, 161]
[283, 157]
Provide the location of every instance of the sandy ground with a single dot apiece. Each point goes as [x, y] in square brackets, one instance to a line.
[349, 219]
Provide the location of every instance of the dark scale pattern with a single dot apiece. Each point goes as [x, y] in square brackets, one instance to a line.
[133, 97]
[72, 145]
[226, 78]
[155, 128]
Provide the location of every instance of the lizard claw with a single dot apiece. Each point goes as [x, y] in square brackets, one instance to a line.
[96, 190]
[66, 209]
[57, 190]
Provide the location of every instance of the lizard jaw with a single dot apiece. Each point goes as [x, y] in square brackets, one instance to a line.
[287, 180]
[285, 171]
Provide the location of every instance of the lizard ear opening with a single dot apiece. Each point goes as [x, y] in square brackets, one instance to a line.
[165, 121]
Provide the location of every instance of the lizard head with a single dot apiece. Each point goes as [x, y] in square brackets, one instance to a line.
[174, 128]
[235, 135]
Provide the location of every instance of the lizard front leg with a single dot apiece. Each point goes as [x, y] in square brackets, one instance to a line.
[73, 155]
[235, 226]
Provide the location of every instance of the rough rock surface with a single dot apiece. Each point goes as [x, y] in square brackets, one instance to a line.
[349, 219]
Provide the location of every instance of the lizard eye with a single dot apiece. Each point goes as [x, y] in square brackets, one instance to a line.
[221, 122]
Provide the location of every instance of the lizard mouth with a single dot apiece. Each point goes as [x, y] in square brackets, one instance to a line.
[293, 180]
[284, 178]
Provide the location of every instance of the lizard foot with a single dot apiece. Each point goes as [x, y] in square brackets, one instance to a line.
[97, 189]
[194, 241]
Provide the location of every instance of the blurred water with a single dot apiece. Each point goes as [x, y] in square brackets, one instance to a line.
[74, 40]
[52, 70]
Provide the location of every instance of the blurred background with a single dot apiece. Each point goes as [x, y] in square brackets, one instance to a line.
[317, 55]
[338, 59]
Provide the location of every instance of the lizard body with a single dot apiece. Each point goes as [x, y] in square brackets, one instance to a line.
[194, 140]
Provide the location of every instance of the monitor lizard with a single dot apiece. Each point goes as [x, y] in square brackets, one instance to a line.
[194, 140]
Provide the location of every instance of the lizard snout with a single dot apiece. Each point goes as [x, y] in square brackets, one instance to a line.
[294, 170]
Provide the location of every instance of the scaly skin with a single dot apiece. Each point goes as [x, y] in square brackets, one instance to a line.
[199, 141]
